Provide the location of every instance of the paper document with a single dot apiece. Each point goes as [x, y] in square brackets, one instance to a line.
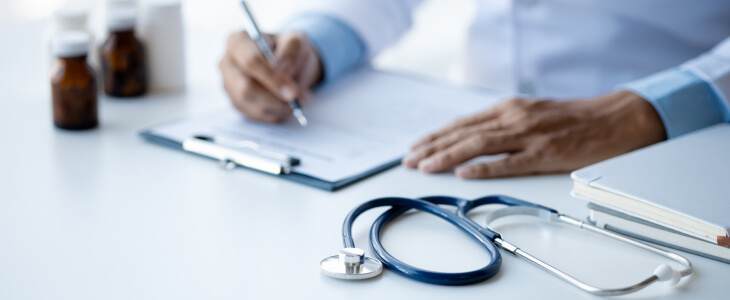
[365, 120]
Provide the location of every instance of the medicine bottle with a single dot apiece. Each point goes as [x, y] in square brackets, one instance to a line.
[64, 19]
[73, 83]
[122, 56]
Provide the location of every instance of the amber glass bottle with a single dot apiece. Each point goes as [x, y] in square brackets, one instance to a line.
[73, 84]
[122, 57]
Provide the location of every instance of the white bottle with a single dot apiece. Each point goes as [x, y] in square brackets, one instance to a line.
[68, 19]
[161, 30]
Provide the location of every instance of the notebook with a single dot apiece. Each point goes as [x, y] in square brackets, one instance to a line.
[358, 126]
[607, 218]
[682, 184]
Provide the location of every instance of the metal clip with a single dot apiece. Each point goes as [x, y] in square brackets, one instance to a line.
[229, 158]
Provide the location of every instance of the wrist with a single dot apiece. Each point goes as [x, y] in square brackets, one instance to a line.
[632, 120]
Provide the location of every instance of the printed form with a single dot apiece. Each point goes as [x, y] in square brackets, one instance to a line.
[361, 122]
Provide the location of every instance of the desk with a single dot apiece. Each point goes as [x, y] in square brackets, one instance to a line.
[103, 214]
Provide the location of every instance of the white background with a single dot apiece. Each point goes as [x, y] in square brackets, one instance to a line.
[102, 214]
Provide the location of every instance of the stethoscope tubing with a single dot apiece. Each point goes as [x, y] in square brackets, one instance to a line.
[489, 239]
[484, 236]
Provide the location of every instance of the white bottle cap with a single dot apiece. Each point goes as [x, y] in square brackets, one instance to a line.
[163, 6]
[121, 18]
[121, 3]
[71, 44]
[70, 18]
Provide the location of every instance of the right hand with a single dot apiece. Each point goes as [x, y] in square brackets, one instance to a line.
[260, 91]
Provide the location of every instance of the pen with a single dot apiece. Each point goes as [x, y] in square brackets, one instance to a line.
[255, 34]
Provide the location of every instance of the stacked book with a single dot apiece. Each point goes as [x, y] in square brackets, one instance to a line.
[675, 193]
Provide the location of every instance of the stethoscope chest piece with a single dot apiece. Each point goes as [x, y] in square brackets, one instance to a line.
[351, 264]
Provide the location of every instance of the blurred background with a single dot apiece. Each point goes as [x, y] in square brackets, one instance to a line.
[433, 48]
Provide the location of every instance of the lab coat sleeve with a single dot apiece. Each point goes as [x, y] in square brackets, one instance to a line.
[338, 46]
[347, 31]
[692, 96]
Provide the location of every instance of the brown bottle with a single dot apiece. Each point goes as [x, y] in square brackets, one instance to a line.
[73, 84]
[122, 57]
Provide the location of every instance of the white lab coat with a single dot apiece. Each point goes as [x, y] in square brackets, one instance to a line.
[566, 49]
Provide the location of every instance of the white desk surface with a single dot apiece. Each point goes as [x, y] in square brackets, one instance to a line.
[103, 214]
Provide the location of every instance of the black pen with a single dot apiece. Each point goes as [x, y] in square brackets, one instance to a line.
[255, 34]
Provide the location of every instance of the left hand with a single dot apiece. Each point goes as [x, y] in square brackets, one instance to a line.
[540, 136]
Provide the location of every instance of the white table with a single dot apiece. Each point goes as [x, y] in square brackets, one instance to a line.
[103, 214]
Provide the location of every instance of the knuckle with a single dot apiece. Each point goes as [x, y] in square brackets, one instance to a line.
[248, 91]
[241, 108]
[462, 135]
[445, 158]
[481, 169]
[515, 102]
[295, 43]
[250, 62]
[459, 123]
[430, 138]
[427, 151]
[478, 140]
[257, 111]
[553, 147]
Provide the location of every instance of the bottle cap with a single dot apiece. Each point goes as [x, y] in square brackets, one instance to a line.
[71, 44]
[70, 18]
[111, 4]
[163, 6]
[121, 18]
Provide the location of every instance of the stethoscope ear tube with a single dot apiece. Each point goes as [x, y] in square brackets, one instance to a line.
[662, 273]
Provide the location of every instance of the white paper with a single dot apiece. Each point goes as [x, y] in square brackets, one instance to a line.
[363, 121]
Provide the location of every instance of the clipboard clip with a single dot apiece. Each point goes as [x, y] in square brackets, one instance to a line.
[229, 157]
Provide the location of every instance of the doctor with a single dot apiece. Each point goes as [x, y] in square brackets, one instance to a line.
[620, 75]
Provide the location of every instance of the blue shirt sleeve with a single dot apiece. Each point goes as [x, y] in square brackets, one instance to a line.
[340, 48]
[684, 101]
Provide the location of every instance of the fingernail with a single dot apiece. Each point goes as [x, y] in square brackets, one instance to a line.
[411, 159]
[426, 165]
[287, 93]
[463, 172]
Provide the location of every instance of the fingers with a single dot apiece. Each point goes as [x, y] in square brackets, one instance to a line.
[251, 98]
[246, 56]
[289, 54]
[484, 116]
[471, 147]
[259, 104]
[425, 150]
[518, 164]
[299, 59]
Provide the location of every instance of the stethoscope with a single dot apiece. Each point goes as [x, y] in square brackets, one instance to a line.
[352, 264]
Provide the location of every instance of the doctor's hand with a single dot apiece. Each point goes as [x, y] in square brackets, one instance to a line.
[540, 136]
[260, 91]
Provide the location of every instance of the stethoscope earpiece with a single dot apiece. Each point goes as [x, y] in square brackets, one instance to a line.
[351, 264]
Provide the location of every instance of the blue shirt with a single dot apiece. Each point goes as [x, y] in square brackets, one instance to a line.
[684, 101]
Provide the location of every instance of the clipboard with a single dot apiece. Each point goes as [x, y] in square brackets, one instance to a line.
[292, 176]
[359, 126]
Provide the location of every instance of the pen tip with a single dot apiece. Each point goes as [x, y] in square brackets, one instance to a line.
[300, 117]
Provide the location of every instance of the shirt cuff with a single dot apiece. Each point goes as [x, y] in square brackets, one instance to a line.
[684, 101]
[339, 47]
